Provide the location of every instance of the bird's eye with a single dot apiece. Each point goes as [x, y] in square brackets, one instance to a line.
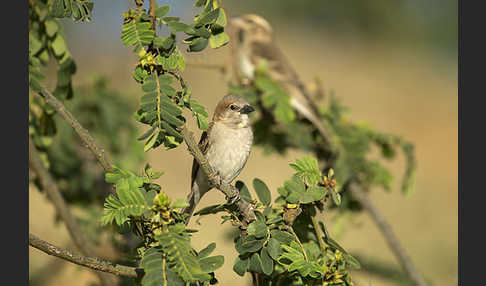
[233, 107]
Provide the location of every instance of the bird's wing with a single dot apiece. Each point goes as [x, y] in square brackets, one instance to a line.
[271, 53]
[203, 145]
[281, 71]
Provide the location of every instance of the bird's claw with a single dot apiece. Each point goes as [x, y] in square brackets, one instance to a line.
[234, 197]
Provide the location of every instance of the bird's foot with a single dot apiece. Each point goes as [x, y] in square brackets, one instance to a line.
[234, 196]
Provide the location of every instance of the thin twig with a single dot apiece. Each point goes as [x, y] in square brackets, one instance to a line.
[388, 233]
[246, 209]
[317, 229]
[49, 185]
[379, 219]
[152, 13]
[291, 230]
[90, 262]
[78, 128]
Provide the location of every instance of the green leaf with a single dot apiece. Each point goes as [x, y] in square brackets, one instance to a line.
[172, 132]
[51, 28]
[267, 262]
[165, 79]
[210, 264]
[244, 192]
[295, 188]
[137, 34]
[149, 85]
[218, 40]
[308, 169]
[179, 203]
[153, 266]
[150, 143]
[255, 263]
[162, 11]
[180, 255]
[130, 202]
[284, 113]
[202, 122]
[273, 248]
[221, 21]
[258, 229]
[34, 44]
[262, 191]
[207, 250]
[313, 194]
[59, 46]
[210, 17]
[197, 107]
[198, 44]
[251, 245]
[275, 97]
[166, 116]
[281, 236]
[175, 27]
[171, 19]
[199, 32]
[139, 74]
[336, 197]
[351, 261]
[57, 8]
[241, 265]
[211, 210]
[148, 133]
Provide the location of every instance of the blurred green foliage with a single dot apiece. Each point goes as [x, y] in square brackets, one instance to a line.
[107, 114]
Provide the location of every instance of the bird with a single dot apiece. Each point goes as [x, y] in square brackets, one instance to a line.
[226, 144]
[254, 41]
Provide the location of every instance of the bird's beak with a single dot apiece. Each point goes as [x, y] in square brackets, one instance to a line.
[247, 109]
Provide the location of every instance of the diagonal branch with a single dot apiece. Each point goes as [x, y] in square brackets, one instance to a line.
[385, 228]
[358, 193]
[49, 185]
[80, 130]
[90, 262]
[388, 233]
[246, 209]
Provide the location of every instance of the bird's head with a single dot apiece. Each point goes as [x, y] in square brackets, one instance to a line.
[233, 110]
[251, 26]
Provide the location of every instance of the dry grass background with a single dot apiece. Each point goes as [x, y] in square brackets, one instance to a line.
[405, 91]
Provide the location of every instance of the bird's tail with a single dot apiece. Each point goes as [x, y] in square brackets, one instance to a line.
[311, 116]
[193, 199]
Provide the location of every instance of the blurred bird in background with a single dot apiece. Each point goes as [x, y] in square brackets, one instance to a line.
[252, 43]
[226, 144]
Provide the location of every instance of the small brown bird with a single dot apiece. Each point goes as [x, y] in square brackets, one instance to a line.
[226, 144]
[253, 42]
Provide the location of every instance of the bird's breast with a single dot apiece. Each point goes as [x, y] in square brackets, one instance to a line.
[229, 150]
[247, 68]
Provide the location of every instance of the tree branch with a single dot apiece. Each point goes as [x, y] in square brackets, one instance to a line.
[49, 185]
[232, 194]
[379, 219]
[80, 130]
[152, 13]
[389, 235]
[90, 262]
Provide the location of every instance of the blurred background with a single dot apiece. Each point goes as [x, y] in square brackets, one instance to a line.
[393, 63]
